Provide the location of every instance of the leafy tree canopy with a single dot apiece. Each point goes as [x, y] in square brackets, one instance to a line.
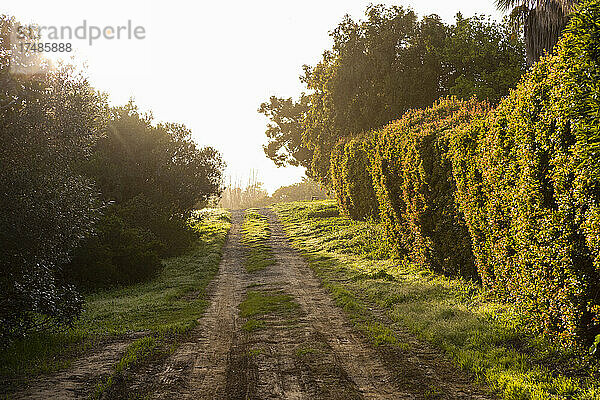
[382, 66]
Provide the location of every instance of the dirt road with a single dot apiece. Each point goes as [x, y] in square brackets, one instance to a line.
[312, 353]
[306, 350]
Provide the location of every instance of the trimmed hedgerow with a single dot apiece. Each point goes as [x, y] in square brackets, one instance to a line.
[528, 180]
[351, 180]
[415, 188]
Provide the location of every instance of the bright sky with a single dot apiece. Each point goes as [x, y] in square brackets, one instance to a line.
[209, 65]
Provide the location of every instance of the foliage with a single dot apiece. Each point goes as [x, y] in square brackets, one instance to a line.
[117, 254]
[48, 123]
[351, 180]
[542, 20]
[284, 132]
[528, 181]
[415, 188]
[160, 162]
[151, 176]
[382, 66]
[307, 189]
[172, 301]
[369, 77]
[61, 144]
[484, 58]
[594, 347]
[382, 296]
[171, 232]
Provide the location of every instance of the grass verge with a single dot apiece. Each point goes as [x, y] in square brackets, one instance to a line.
[255, 236]
[167, 305]
[482, 337]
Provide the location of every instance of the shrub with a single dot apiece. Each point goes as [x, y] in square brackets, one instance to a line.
[351, 179]
[49, 120]
[152, 176]
[171, 231]
[528, 180]
[161, 162]
[415, 188]
[118, 254]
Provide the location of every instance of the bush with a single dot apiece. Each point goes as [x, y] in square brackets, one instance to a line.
[351, 180]
[172, 231]
[49, 120]
[118, 254]
[152, 175]
[157, 161]
[415, 188]
[528, 180]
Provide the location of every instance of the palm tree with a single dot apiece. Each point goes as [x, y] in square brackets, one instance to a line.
[543, 22]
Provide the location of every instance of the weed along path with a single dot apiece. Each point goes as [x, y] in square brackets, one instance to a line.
[75, 382]
[272, 331]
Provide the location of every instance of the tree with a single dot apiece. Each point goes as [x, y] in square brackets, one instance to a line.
[284, 132]
[301, 191]
[484, 59]
[150, 177]
[160, 162]
[367, 79]
[253, 195]
[156, 172]
[49, 121]
[379, 68]
[543, 22]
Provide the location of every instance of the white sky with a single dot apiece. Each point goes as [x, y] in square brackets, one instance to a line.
[209, 65]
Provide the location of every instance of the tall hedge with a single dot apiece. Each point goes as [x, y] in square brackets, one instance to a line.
[415, 188]
[351, 179]
[528, 180]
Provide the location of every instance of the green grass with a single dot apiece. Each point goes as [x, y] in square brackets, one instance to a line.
[253, 325]
[254, 352]
[260, 303]
[136, 352]
[302, 351]
[255, 236]
[169, 304]
[478, 334]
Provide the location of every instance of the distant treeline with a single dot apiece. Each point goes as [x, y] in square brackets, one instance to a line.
[493, 184]
[91, 196]
[253, 195]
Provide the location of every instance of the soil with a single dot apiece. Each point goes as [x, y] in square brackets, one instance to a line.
[79, 379]
[309, 352]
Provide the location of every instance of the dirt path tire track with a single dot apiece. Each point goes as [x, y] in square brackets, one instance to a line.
[383, 374]
[198, 369]
[359, 360]
[79, 379]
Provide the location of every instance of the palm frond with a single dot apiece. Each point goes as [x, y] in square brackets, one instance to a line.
[506, 5]
[543, 27]
[542, 20]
